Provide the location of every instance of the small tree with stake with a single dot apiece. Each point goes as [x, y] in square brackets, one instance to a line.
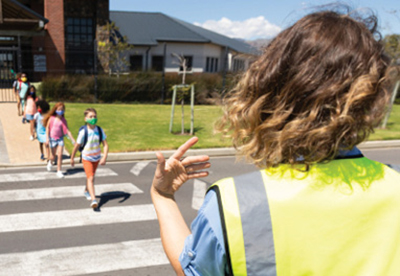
[183, 90]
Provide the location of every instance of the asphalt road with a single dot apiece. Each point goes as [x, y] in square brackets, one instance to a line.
[47, 227]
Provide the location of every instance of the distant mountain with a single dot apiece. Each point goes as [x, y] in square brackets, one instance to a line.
[259, 43]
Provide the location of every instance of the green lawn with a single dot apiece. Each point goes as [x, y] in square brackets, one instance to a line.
[140, 127]
[146, 127]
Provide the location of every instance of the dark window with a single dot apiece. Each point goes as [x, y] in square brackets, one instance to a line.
[136, 62]
[189, 63]
[211, 64]
[79, 44]
[238, 65]
[157, 63]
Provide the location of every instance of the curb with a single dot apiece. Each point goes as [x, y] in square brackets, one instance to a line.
[212, 152]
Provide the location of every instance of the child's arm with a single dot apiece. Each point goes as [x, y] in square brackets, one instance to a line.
[48, 138]
[105, 153]
[76, 147]
[71, 137]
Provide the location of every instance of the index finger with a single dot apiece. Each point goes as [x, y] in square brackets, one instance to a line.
[184, 148]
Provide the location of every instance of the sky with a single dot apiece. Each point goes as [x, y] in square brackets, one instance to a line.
[254, 19]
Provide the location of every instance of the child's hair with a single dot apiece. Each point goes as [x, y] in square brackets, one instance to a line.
[44, 106]
[89, 110]
[53, 112]
[321, 85]
[27, 94]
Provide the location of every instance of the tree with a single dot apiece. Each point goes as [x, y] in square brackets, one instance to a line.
[392, 47]
[183, 89]
[112, 47]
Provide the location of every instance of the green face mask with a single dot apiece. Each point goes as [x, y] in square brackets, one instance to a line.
[91, 121]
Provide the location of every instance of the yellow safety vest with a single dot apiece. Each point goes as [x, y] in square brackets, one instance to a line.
[340, 218]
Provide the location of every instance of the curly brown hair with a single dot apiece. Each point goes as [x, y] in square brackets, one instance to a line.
[320, 86]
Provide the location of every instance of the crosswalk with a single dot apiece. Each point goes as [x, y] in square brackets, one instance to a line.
[109, 257]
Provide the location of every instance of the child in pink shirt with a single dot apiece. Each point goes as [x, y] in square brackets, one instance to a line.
[30, 109]
[56, 129]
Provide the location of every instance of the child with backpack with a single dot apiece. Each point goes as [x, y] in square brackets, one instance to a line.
[88, 142]
[22, 88]
[30, 109]
[56, 129]
[42, 109]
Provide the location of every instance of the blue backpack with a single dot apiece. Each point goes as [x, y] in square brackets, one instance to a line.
[85, 136]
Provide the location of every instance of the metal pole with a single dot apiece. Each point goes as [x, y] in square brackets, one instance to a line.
[225, 68]
[19, 54]
[95, 69]
[192, 108]
[172, 109]
[163, 74]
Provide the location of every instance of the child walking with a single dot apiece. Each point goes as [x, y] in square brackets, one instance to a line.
[56, 129]
[42, 109]
[90, 137]
[22, 88]
[30, 109]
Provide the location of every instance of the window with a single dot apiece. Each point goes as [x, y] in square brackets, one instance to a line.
[211, 64]
[79, 36]
[238, 65]
[136, 62]
[157, 63]
[189, 63]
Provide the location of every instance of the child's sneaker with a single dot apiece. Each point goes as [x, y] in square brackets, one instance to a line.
[31, 138]
[23, 120]
[60, 174]
[49, 166]
[87, 195]
[94, 204]
[42, 157]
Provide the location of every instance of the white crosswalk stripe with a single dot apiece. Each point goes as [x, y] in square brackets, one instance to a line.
[139, 167]
[108, 258]
[85, 259]
[18, 177]
[199, 192]
[74, 218]
[64, 192]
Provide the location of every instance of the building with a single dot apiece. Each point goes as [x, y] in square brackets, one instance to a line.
[44, 37]
[55, 37]
[157, 38]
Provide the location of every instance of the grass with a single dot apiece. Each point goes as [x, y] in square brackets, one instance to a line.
[131, 127]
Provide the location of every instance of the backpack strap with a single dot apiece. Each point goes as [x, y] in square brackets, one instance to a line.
[85, 136]
[100, 134]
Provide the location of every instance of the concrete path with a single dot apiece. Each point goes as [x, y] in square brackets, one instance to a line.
[15, 146]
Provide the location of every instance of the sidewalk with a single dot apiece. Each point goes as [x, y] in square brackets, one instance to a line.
[17, 150]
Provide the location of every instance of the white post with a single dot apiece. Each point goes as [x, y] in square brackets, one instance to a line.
[394, 94]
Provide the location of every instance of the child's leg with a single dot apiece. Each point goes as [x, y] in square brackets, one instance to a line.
[32, 123]
[59, 157]
[90, 170]
[47, 151]
[41, 148]
[53, 154]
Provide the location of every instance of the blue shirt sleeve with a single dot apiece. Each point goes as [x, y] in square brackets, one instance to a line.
[204, 251]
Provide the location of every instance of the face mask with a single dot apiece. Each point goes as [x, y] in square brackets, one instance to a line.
[91, 121]
[31, 93]
[39, 110]
[24, 79]
[59, 112]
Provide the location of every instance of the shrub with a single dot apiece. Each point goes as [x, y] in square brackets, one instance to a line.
[144, 87]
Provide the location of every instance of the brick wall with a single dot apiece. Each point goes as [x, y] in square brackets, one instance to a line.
[54, 39]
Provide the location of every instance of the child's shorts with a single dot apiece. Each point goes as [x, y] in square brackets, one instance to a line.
[56, 142]
[29, 117]
[90, 167]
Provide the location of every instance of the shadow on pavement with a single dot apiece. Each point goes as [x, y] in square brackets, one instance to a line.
[105, 197]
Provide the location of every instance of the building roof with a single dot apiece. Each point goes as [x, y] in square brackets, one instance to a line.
[14, 11]
[143, 28]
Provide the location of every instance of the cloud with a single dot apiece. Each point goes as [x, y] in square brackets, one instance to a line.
[252, 28]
